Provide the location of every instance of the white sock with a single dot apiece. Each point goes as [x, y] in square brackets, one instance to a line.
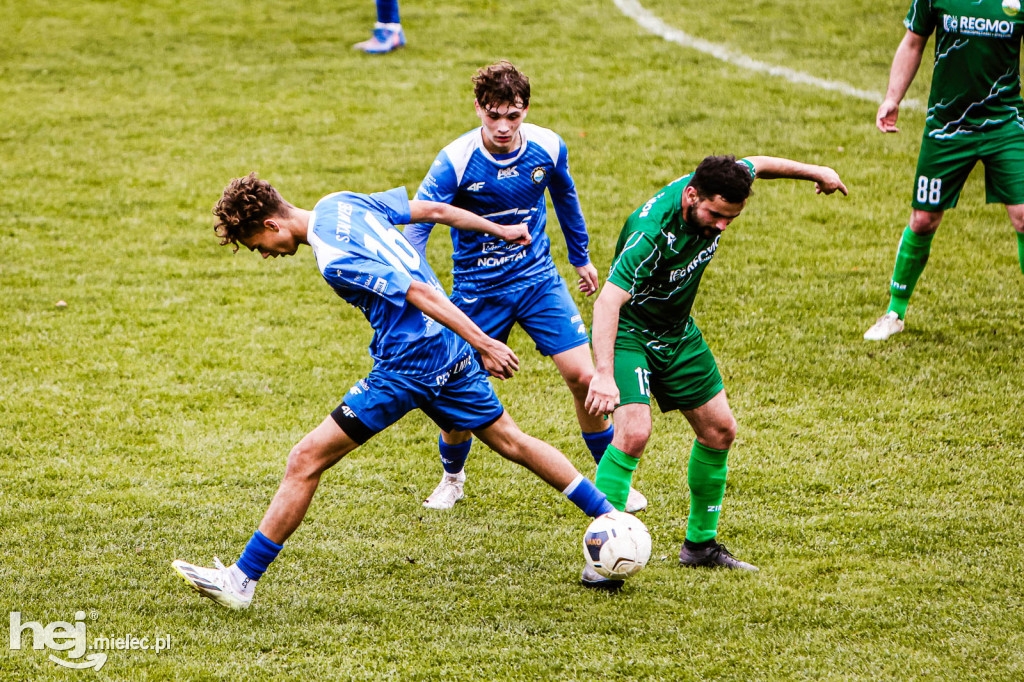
[242, 583]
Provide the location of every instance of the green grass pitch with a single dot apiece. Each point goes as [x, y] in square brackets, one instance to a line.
[879, 487]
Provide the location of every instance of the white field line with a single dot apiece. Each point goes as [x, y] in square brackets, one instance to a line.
[649, 22]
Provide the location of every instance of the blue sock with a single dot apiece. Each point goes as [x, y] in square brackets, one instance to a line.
[587, 497]
[387, 12]
[257, 555]
[598, 441]
[453, 457]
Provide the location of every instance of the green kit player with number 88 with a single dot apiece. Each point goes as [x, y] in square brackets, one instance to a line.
[975, 113]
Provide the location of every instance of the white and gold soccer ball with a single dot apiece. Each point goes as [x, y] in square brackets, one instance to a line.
[617, 545]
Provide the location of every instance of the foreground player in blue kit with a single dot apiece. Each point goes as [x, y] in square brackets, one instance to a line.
[500, 171]
[422, 350]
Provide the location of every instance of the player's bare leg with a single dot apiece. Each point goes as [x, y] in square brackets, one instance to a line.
[317, 452]
[577, 369]
[233, 586]
[576, 366]
[550, 465]
[713, 423]
[508, 440]
[454, 445]
[634, 428]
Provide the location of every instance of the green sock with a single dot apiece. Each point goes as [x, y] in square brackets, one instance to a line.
[1020, 250]
[614, 475]
[911, 258]
[706, 476]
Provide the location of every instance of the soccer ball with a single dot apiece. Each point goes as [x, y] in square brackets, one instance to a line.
[617, 545]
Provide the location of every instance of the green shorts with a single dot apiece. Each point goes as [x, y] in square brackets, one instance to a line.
[943, 167]
[681, 375]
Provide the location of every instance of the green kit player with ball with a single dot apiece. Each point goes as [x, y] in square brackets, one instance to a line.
[647, 344]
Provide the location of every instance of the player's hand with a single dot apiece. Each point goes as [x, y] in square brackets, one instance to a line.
[588, 279]
[516, 234]
[603, 395]
[888, 112]
[829, 182]
[499, 360]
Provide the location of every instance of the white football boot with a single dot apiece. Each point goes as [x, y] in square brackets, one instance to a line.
[448, 491]
[636, 501]
[227, 586]
[886, 326]
[385, 38]
[595, 581]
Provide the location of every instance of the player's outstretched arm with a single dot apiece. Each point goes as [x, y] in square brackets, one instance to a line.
[446, 214]
[498, 359]
[901, 75]
[603, 395]
[826, 180]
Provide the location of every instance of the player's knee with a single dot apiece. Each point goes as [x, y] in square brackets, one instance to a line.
[579, 385]
[518, 448]
[632, 440]
[720, 435]
[456, 437]
[1017, 220]
[304, 462]
[728, 433]
[925, 223]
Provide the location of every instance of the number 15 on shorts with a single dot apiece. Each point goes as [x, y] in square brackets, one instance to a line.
[929, 191]
[643, 377]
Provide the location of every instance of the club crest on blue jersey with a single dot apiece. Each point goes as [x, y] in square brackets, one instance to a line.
[538, 174]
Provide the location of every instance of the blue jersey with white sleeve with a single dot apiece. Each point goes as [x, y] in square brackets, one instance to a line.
[508, 191]
[371, 265]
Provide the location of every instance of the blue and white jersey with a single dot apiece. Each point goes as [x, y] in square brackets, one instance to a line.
[508, 191]
[371, 265]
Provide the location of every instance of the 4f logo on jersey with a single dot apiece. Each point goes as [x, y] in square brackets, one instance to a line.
[538, 174]
[505, 173]
[475, 187]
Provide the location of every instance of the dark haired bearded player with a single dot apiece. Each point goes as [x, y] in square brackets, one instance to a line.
[646, 343]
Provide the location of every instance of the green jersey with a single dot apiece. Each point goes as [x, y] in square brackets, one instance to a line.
[659, 260]
[976, 81]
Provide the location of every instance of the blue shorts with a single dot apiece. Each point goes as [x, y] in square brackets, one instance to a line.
[545, 311]
[461, 397]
